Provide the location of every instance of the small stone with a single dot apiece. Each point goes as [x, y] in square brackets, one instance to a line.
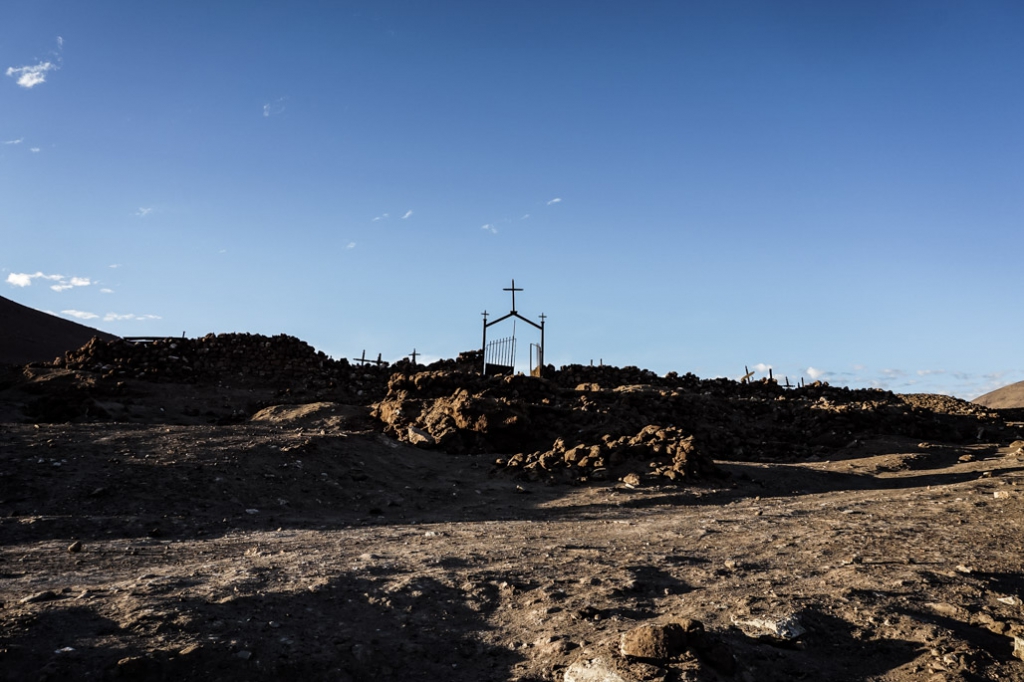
[132, 666]
[47, 595]
[190, 649]
[418, 436]
[593, 670]
[1018, 647]
[1001, 494]
[244, 654]
[75, 546]
[631, 480]
[785, 629]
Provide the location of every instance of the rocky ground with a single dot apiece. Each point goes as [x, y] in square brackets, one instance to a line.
[241, 530]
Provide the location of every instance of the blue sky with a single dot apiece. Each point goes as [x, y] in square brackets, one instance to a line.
[830, 189]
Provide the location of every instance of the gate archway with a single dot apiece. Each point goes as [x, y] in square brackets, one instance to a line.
[499, 355]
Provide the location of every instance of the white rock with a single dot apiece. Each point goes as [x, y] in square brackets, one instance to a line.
[418, 436]
[593, 670]
[785, 629]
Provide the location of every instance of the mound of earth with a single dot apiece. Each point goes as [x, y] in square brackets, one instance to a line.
[28, 335]
[1006, 398]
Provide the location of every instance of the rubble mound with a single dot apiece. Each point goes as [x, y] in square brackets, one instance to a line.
[280, 361]
[595, 423]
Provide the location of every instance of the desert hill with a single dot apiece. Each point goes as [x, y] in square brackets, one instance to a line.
[28, 335]
[1007, 397]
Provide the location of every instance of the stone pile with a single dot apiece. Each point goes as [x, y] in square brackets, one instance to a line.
[670, 427]
[280, 361]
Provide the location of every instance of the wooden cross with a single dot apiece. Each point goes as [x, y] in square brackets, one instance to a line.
[513, 290]
[543, 317]
[484, 313]
[414, 356]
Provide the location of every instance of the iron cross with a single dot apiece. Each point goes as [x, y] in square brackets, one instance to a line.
[513, 290]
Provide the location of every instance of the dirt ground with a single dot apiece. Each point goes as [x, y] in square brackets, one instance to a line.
[302, 542]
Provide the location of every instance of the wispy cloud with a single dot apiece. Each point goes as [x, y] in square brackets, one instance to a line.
[106, 291]
[18, 141]
[143, 212]
[526, 216]
[24, 279]
[31, 76]
[80, 314]
[815, 373]
[115, 317]
[109, 317]
[350, 245]
[761, 367]
[407, 215]
[64, 285]
[489, 228]
[114, 266]
[35, 150]
[274, 108]
[556, 200]
[382, 216]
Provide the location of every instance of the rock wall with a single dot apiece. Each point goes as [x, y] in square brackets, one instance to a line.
[280, 361]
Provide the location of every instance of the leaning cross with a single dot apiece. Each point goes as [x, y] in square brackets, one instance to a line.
[513, 290]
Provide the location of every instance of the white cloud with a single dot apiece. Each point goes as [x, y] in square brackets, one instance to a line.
[381, 217]
[489, 228]
[556, 200]
[815, 373]
[23, 279]
[350, 245]
[143, 212]
[35, 150]
[929, 372]
[115, 265]
[31, 76]
[106, 291]
[20, 279]
[60, 42]
[66, 284]
[18, 141]
[525, 217]
[115, 317]
[407, 214]
[80, 314]
[761, 367]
